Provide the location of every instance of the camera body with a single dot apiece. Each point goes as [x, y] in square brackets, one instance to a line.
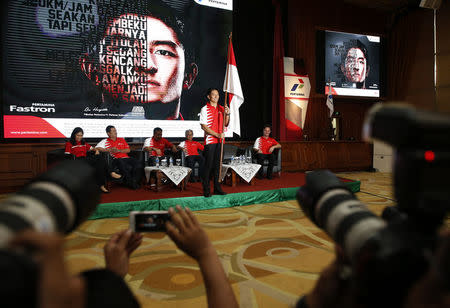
[421, 158]
[387, 255]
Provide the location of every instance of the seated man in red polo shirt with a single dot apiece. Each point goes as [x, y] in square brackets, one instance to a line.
[118, 148]
[191, 149]
[264, 147]
[156, 146]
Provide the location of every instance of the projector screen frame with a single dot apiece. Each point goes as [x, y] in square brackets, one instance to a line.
[320, 64]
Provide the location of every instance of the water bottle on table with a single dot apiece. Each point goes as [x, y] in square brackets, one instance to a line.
[157, 162]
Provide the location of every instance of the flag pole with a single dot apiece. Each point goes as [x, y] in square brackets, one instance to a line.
[329, 91]
[330, 119]
[225, 105]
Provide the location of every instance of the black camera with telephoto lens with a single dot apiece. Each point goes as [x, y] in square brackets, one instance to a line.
[57, 201]
[387, 255]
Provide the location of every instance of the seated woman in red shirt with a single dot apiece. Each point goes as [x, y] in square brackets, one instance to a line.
[78, 147]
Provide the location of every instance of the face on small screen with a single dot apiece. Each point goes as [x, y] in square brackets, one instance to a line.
[141, 60]
[151, 222]
[355, 66]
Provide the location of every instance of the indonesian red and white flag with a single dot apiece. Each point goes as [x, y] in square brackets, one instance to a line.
[234, 90]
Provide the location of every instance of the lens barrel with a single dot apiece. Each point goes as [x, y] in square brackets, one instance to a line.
[57, 201]
[332, 207]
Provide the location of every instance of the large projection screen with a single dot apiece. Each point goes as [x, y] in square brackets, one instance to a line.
[136, 65]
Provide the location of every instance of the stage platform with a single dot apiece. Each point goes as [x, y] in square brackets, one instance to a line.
[120, 201]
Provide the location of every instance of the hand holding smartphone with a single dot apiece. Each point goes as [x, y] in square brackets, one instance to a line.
[149, 221]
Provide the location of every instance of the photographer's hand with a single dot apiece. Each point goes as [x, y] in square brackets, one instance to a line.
[188, 235]
[118, 250]
[56, 287]
[185, 230]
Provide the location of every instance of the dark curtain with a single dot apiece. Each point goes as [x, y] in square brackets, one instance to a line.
[402, 43]
[253, 48]
[278, 112]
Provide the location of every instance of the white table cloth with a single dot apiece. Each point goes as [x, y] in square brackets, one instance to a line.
[245, 171]
[175, 173]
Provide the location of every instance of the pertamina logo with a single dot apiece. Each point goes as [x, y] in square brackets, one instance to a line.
[298, 85]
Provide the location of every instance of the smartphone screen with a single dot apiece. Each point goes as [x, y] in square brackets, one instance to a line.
[150, 221]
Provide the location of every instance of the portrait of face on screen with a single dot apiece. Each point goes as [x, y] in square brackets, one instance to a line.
[354, 64]
[142, 60]
[355, 67]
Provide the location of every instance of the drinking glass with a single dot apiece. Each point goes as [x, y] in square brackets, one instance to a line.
[178, 161]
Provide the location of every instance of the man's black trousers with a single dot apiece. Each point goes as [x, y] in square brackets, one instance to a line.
[131, 170]
[212, 165]
[260, 159]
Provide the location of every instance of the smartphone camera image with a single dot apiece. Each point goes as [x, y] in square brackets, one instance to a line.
[149, 221]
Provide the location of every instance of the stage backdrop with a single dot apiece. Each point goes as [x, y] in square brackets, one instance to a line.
[92, 63]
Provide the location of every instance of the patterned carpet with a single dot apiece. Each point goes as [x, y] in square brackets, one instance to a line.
[271, 252]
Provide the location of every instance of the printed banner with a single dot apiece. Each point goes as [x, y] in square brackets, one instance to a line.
[296, 89]
[99, 62]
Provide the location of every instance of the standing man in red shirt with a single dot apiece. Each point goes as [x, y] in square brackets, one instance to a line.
[264, 147]
[118, 148]
[211, 121]
[156, 145]
[191, 149]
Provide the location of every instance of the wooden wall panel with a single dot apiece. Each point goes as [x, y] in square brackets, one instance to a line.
[309, 156]
[19, 163]
[333, 155]
[20, 168]
[289, 156]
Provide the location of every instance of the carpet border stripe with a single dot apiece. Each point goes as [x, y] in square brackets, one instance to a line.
[121, 209]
